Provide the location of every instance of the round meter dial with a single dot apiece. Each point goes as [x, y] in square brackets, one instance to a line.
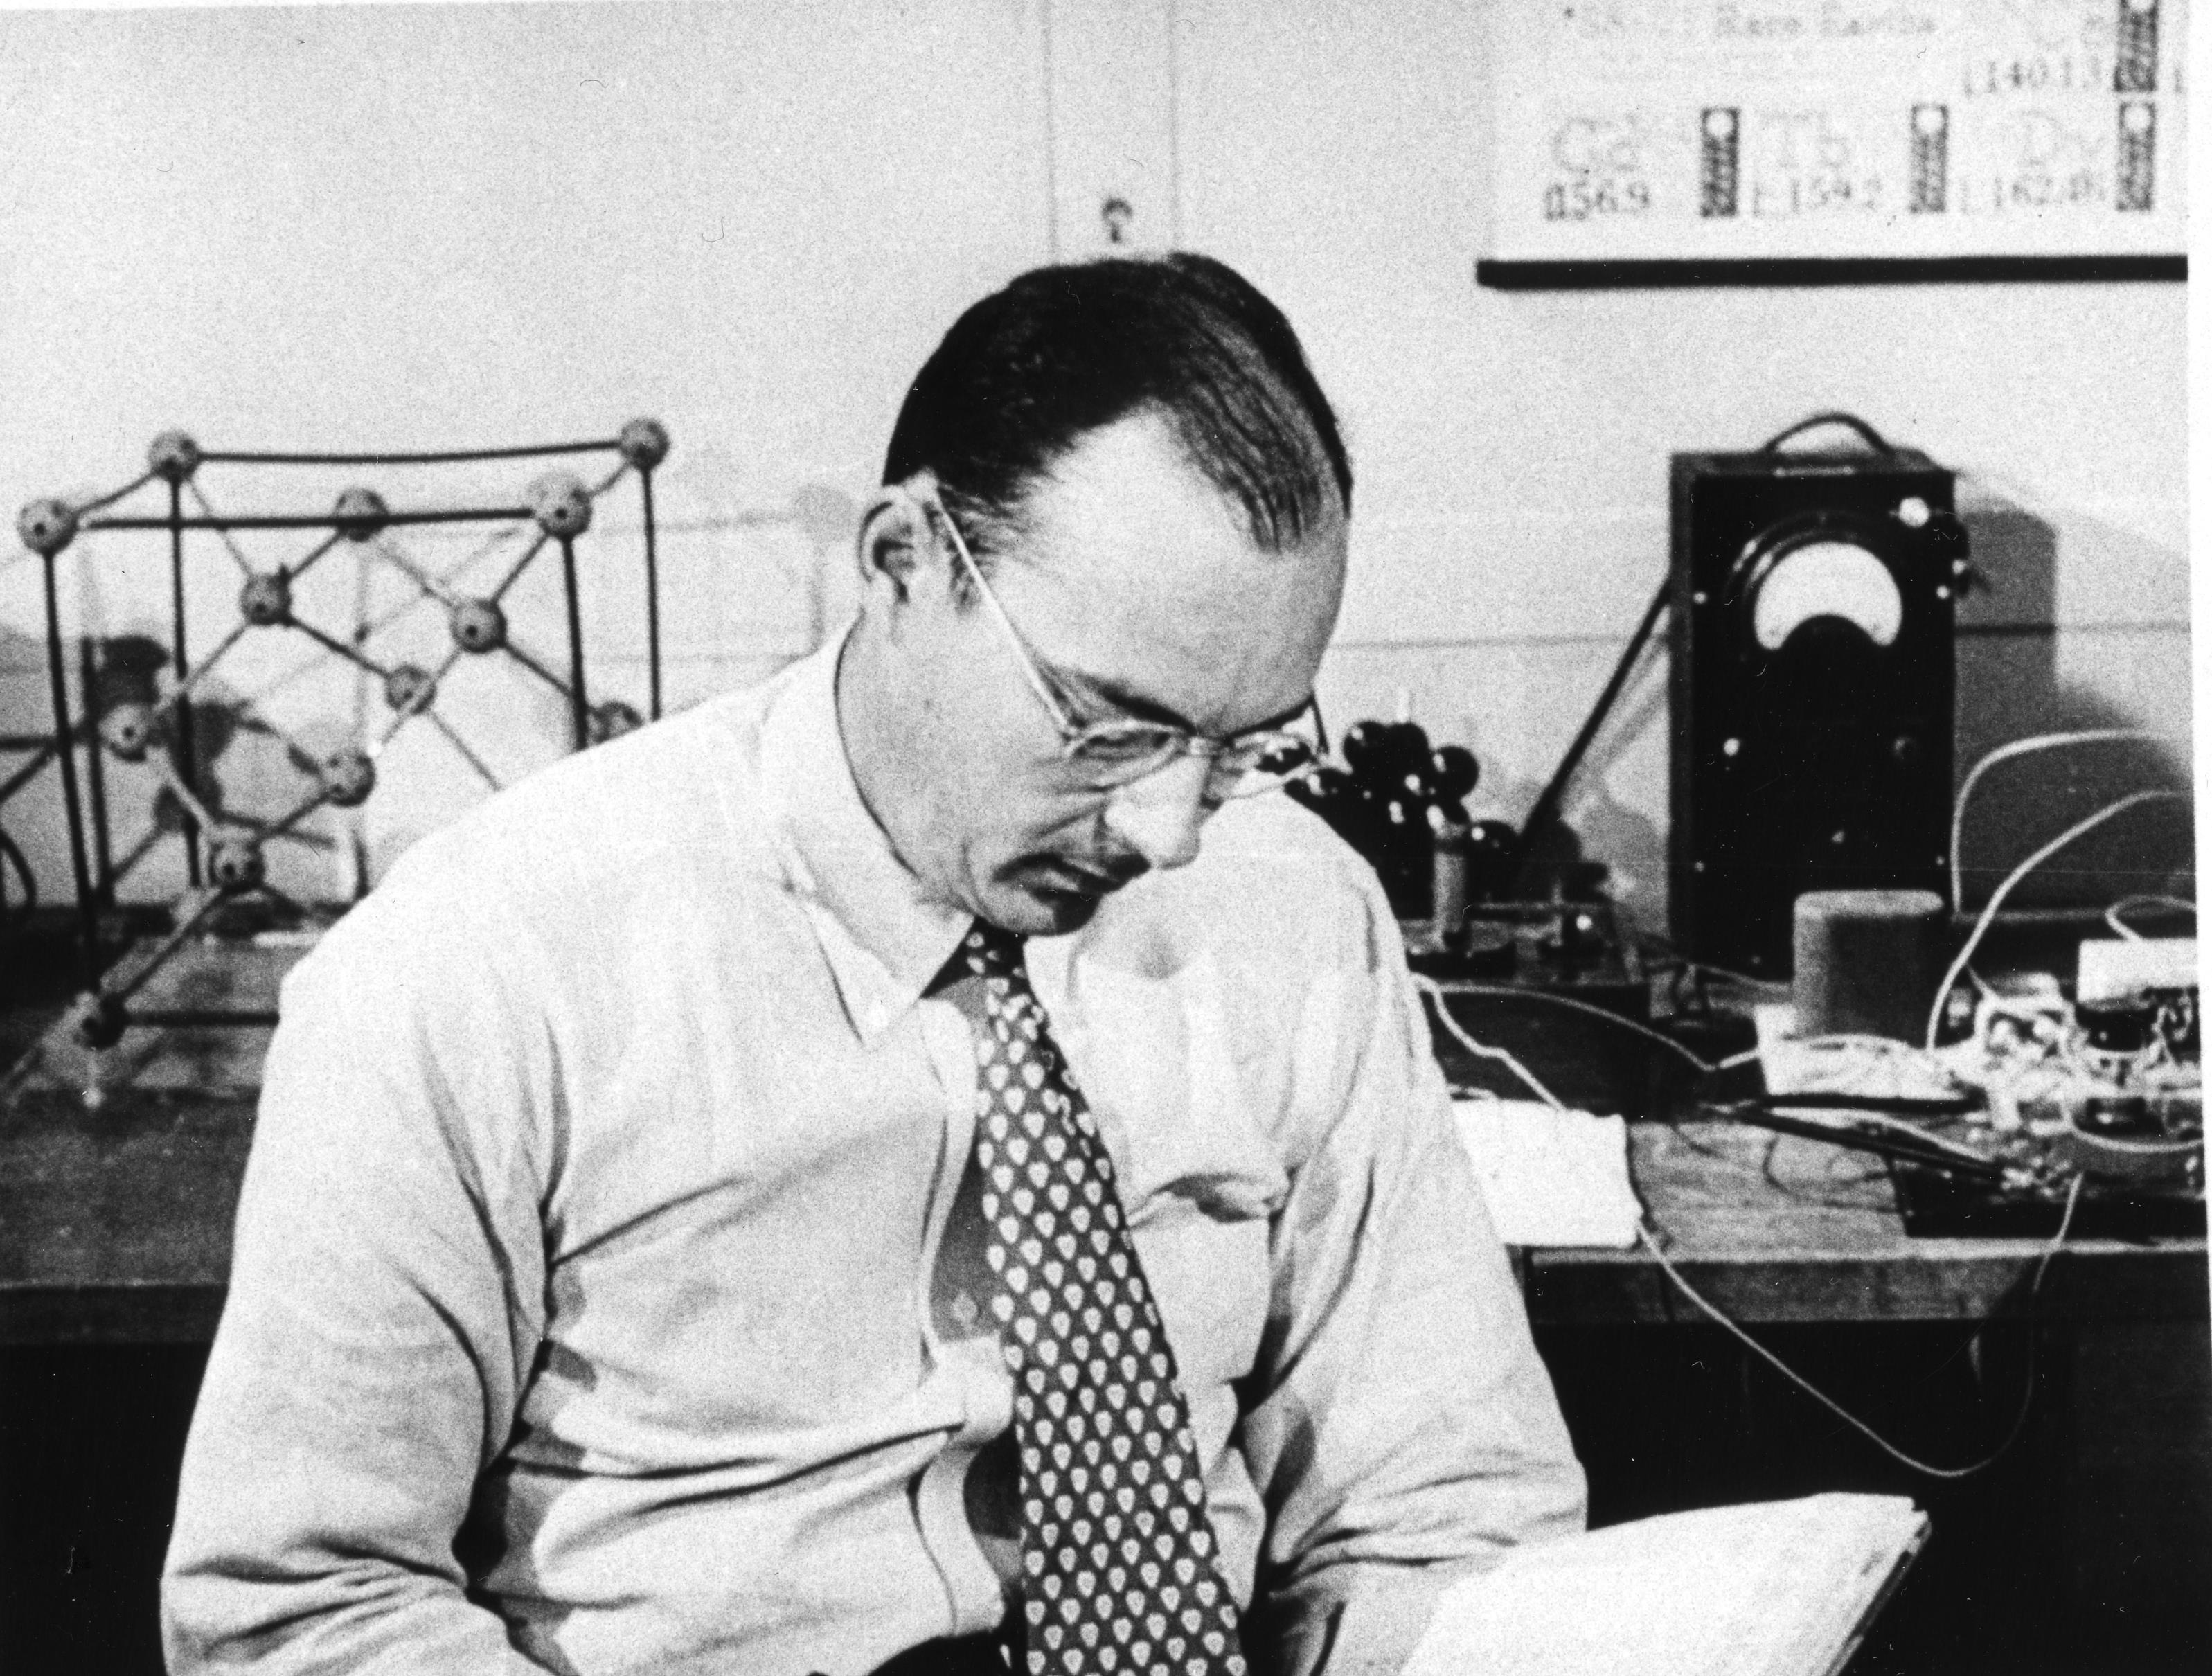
[1830, 579]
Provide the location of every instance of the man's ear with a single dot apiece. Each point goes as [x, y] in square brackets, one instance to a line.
[896, 543]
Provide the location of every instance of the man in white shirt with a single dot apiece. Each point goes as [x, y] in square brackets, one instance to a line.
[629, 1275]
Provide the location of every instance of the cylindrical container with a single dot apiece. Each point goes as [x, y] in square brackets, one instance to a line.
[1868, 962]
[1404, 861]
[1448, 891]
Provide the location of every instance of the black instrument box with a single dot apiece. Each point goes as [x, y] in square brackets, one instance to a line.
[1812, 686]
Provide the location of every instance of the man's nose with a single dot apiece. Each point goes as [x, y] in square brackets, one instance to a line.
[1159, 816]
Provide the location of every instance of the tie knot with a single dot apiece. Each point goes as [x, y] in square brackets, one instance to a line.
[990, 952]
[985, 952]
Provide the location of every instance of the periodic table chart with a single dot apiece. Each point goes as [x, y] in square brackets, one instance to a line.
[1717, 130]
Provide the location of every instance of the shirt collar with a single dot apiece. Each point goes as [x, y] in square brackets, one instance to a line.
[883, 939]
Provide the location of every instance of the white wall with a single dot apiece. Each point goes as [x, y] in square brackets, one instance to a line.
[418, 226]
[1513, 447]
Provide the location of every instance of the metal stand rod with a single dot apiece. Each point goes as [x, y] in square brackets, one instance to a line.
[182, 752]
[579, 710]
[1547, 806]
[652, 599]
[144, 963]
[87, 911]
[40, 750]
[95, 775]
[185, 1018]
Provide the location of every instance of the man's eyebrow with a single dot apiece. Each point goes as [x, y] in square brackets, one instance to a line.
[1144, 709]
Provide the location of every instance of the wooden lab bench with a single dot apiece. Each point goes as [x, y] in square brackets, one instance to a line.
[115, 1227]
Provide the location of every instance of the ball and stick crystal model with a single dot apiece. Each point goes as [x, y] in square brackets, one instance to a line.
[224, 853]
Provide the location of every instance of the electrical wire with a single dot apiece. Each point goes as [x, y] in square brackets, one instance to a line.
[1645, 1229]
[2087, 736]
[1844, 1079]
[1806, 1196]
[1705, 969]
[2153, 900]
[2087, 824]
[1683, 974]
[1512, 992]
[1669, 955]
[1433, 993]
[2028, 1394]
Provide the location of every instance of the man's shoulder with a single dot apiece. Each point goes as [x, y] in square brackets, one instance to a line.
[1263, 839]
[675, 782]
[1270, 874]
[580, 836]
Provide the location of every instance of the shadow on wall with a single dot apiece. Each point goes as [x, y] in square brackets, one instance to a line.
[32, 805]
[244, 772]
[2012, 685]
[1633, 846]
[767, 610]
[1595, 825]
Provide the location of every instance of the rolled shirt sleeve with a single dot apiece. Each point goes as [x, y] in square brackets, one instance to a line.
[1398, 1423]
[384, 1299]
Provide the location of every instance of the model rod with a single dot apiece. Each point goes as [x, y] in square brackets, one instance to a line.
[579, 712]
[88, 906]
[652, 601]
[182, 748]
[319, 521]
[452, 457]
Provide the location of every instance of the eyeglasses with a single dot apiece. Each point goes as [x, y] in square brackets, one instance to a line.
[1123, 749]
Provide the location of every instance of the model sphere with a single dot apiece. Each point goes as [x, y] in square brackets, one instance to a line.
[97, 1020]
[643, 443]
[173, 456]
[265, 601]
[410, 689]
[127, 730]
[349, 776]
[235, 863]
[361, 514]
[561, 504]
[47, 526]
[611, 720]
[478, 625]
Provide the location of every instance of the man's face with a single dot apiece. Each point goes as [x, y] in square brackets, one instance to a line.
[1141, 593]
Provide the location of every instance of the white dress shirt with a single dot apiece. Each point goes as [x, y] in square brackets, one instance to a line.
[585, 1309]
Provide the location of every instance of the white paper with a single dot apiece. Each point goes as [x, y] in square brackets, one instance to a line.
[1550, 1177]
[1763, 1588]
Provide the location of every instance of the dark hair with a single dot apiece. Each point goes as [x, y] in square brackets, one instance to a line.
[1025, 373]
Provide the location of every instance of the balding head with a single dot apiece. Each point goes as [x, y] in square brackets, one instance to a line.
[1061, 352]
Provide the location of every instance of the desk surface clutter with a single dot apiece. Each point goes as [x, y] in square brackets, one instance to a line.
[115, 1220]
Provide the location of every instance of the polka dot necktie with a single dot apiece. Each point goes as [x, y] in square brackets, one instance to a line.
[1119, 1562]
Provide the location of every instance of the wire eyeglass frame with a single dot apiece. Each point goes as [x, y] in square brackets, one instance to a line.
[1123, 749]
